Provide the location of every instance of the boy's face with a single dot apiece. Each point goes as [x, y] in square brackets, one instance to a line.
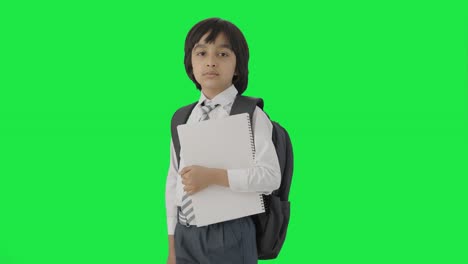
[214, 64]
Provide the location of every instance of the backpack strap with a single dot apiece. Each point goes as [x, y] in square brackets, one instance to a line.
[246, 104]
[180, 117]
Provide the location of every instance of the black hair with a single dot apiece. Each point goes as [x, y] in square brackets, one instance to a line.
[238, 45]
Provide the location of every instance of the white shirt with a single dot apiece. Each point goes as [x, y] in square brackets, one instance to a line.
[264, 177]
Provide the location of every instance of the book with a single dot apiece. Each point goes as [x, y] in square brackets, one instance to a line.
[225, 143]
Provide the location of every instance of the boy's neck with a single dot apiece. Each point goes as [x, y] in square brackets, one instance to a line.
[211, 93]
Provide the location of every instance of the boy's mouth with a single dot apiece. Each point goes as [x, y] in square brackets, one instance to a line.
[211, 73]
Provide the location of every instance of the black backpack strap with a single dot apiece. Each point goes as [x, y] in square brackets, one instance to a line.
[246, 104]
[180, 117]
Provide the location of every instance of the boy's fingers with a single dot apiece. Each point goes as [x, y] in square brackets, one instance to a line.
[185, 170]
[186, 181]
[191, 191]
[188, 189]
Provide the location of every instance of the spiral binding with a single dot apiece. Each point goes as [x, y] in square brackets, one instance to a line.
[263, 198]
[252, 142]
[262, 201]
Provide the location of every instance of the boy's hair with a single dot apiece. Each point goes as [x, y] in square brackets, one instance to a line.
[236, 39]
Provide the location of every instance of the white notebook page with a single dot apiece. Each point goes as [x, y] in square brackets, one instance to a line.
[224, 143]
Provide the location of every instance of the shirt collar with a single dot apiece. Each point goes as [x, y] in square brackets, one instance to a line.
[224, 98]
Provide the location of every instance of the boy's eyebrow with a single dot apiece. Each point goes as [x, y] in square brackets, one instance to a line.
[204, 46]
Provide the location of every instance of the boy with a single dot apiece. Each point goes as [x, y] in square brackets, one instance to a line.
[216, 60]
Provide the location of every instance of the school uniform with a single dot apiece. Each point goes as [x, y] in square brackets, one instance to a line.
[231, 241]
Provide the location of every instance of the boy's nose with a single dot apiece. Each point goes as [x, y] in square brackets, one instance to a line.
[210, 62]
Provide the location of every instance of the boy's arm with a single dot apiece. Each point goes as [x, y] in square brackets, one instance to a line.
[171, 207]
[265, 176]
[171, 258]
[220, 177]
[171, 182]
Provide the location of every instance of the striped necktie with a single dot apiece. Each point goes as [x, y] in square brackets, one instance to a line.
[186, 214]
[206, 109]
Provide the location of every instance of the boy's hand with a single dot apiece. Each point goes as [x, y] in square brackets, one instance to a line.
[171, 259]
[196, 178]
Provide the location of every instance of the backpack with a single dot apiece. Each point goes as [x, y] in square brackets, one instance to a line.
[271, 225]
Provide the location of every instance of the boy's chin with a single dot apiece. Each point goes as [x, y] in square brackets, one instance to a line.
[214, 86]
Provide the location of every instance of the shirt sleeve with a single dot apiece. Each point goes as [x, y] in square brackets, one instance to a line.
[265, 176]
[171, 182]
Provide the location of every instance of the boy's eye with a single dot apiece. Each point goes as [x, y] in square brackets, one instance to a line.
[203, 53]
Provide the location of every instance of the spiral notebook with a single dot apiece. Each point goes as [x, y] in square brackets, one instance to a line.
[225, 143]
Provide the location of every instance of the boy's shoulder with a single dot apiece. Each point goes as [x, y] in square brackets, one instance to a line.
[182, 114]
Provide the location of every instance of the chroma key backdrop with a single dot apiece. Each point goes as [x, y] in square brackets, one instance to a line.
[373, 94]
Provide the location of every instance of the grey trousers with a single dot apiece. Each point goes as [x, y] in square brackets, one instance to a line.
[222, 243]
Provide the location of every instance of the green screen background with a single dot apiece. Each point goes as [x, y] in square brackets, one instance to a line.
[373, 94]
